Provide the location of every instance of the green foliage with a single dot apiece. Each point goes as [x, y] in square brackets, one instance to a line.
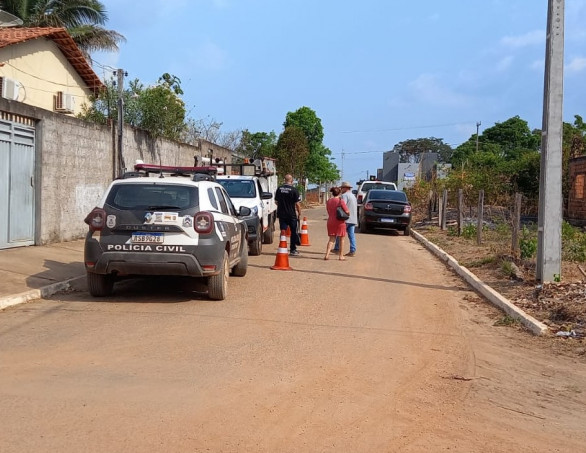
[158, 109]
[317, 167]
[415, 147]
[291, 151]
[573, 243]
[527, 244]
[469, 231]
[507, 268]
[83, 20]
[258, 144]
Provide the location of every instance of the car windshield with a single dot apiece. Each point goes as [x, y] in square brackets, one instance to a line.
[378, 186]
[153, 196]
[387, 195]
[239, 188]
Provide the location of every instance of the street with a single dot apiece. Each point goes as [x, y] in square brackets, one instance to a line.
[386, 352]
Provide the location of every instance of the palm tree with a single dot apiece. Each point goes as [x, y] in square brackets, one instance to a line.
[83, 20]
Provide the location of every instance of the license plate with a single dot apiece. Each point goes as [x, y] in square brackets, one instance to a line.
[387, 220]
[147, 238]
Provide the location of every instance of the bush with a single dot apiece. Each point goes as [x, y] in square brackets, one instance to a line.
[527, 244]
[469, 231]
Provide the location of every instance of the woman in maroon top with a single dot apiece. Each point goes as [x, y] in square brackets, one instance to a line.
[336, 228]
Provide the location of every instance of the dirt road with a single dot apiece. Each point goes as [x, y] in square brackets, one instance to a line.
[385, 352]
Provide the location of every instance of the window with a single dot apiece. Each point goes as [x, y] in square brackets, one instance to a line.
[222, 200]
[212, 198]
[579, 186]
[153, 196]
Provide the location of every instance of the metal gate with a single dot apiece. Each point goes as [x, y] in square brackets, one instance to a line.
[17, 200]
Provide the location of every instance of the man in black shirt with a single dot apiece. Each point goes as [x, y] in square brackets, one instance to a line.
[289, 211]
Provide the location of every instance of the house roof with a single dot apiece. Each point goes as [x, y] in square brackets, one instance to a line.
[16, 35]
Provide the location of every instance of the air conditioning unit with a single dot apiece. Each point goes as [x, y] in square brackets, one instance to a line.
[9, 88]
[64, 102]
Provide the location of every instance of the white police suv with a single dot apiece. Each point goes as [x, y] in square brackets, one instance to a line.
[161, 220]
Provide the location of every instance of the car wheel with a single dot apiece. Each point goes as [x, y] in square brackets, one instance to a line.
[407, 230]
[269, 233]
[99, 285]
[240, 269]
[218, 284]
[256, 245]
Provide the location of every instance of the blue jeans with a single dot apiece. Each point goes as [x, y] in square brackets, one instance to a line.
[351, 237]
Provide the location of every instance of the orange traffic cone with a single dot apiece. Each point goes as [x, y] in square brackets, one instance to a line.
[288, 232]
[304, 232]
[282, 259]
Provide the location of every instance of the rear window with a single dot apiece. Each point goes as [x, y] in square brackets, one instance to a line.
[373, 185]
[153, 196]
[389, 195]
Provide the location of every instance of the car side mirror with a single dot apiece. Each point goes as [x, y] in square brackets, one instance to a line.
[266, 196]
[355, 192]
[244, 211]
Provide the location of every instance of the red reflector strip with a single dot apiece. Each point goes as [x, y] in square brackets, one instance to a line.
[209, 267]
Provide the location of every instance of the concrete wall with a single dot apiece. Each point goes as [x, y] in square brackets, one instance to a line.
[74, 164]
[577, 197]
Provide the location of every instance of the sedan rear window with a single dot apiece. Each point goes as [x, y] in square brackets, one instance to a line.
[391, 195]
[153, 196]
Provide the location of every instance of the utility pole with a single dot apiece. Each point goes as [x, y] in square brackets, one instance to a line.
[549, 230]
[120, 73]
[478, 123]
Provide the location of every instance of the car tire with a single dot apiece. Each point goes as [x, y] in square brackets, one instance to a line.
[407, 231]
[218, 284]
[256, 245]
[240, 269]
[269, 233]
[100, 285]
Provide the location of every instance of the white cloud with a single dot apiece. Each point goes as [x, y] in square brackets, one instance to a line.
[578, 64]
[528, 39]
[427, 88]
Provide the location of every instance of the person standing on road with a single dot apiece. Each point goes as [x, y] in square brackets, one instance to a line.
[336, 228]
[289, 211]
[350, 200]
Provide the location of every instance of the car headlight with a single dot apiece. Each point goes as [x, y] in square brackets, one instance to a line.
[254, 210]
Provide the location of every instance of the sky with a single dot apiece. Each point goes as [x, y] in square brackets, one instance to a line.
[376, 72]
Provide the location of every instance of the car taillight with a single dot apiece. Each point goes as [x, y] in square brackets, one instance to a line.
[203, 222]
[96, 219]
[368, 206]
[407, 209]
[359, 199]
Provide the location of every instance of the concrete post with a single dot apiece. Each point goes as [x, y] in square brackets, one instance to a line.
[549, 232]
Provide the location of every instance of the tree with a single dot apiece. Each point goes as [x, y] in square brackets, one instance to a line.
[512, 136]
[162, 112]
[157, 109]
[257, 144]
[83, 20]
[413, 148]
[306, 119]
[292, 151]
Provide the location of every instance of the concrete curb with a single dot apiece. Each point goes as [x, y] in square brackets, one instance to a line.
[536, 327]
[40, 293]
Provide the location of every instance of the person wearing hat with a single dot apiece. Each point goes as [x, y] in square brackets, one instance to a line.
[352, 221]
